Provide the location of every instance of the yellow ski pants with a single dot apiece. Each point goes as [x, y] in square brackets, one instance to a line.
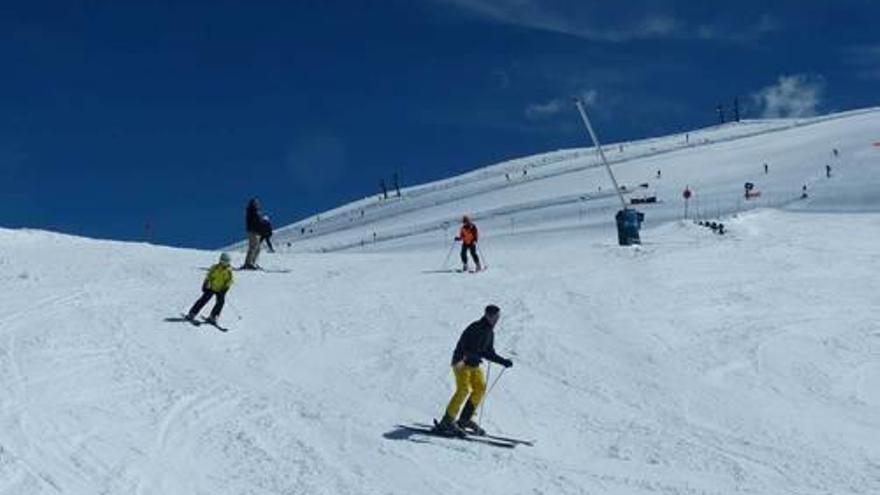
[469, 381]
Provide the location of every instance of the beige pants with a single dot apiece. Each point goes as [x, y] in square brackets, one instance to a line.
[253, 249]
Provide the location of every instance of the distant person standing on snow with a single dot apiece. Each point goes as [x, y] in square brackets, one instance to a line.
[266, 232]
[766, 169]
[217, 283]
[253, 225]
[476, 343]
[827, 171]
[468, 236]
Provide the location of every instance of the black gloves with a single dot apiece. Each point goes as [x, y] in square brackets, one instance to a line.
[507, 363]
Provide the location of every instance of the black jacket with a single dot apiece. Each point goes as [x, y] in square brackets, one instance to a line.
[477, 342]
[265, 228]
[253, 219]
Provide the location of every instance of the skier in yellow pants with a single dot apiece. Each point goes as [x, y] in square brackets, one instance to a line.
[476, 343]
[470, 386]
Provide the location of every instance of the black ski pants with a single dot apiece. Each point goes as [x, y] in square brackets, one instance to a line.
[472, 248]
[206, 296]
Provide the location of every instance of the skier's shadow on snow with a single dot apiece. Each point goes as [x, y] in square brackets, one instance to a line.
[400, 433]
[180, 319]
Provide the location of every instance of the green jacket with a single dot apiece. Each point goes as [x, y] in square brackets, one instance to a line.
[219, 278]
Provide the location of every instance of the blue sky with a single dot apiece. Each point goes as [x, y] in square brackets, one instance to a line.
[174, 113]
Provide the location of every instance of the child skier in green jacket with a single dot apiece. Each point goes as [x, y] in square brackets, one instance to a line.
[217, 282]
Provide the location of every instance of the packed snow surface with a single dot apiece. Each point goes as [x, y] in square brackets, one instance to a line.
[694, 364]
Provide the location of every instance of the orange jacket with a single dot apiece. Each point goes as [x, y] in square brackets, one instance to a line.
[468, 233]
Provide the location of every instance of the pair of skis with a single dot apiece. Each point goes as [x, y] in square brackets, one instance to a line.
[258, 269]
[201, 321]
[487, 439]
[261, 269]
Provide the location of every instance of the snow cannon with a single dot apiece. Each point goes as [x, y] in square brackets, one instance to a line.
[629, 221]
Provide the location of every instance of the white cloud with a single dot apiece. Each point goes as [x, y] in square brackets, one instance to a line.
[542, 110]
[791, 96]
[600, 21]
[743, 33]
[537, 111]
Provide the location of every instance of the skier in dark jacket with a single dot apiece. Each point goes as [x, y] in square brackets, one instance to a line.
[476, 343]
[253, 225]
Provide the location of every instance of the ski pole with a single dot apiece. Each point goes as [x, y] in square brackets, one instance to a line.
[486, 396]
[483, 402]
[496, 381]
[232, 306]
[485, 263]
[448, 255]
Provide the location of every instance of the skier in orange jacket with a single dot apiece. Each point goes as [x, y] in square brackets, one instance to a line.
[468, 236]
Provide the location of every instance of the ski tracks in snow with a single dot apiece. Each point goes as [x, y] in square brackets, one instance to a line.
[176, 440]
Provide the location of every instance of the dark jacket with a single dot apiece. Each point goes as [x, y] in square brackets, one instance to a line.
[477, 342]
[253, 218]
[265, 228]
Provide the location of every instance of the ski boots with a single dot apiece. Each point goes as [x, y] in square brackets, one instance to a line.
[466, 424]
[448, 427]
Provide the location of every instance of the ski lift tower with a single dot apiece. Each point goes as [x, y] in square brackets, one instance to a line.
[628, 220]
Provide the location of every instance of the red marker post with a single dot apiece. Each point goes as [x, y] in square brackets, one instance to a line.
[687, 196]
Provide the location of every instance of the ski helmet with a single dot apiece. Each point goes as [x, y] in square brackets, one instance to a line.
[465, 219]
[225, 259]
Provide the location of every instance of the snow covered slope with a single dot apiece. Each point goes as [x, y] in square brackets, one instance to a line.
[694, 364]
[697, 364]
[569, 188]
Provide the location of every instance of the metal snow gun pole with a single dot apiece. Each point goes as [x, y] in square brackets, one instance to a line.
[628, 220]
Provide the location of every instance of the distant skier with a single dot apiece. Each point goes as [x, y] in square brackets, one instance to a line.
[827, 171]
[253, 225]
[266, 232]
[659, 174]
[476, 343]
[804, 192]
[766, 169]
[468, 236]
[217, 283]
[836, 153]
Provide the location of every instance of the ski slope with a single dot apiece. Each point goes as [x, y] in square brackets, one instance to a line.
[694, 364]
[570, 188]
